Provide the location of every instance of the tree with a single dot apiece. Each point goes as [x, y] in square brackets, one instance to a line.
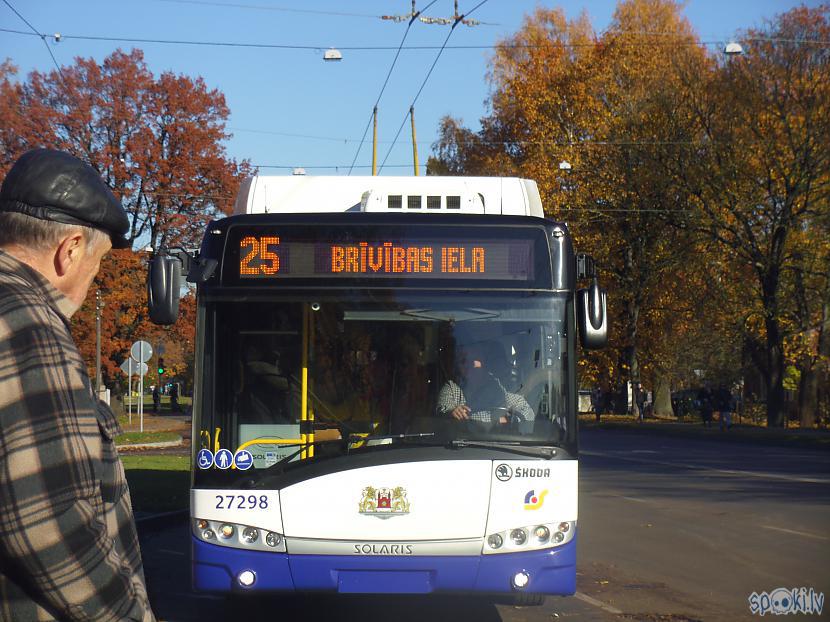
[158, 142]
[760, 177]
[603, 105]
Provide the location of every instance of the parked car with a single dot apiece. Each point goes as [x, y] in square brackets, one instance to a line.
[685, 403]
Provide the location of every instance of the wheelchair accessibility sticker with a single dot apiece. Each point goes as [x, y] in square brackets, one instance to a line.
[204, 459]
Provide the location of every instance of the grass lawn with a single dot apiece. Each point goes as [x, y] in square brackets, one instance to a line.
[158, 483]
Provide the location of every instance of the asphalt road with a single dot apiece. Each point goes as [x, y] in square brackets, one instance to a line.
[671, 529]
[692, 527]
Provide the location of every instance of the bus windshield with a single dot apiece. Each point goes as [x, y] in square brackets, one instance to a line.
[434, 367]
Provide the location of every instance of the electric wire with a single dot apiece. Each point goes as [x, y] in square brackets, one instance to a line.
[504, 143]
[386, 81]
[817, 43]
[35, 31]
[262, 7]
[423, 84]
[269, 8]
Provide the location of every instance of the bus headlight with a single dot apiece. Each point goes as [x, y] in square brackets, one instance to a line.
[238, 536]
[530, 538]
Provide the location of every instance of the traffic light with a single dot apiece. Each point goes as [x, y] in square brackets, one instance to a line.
[161, 366]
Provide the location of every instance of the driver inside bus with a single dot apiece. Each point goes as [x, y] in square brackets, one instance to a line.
[269, 393]
[479, 393]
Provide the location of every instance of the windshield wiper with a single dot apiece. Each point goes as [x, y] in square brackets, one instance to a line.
[352, 438]
[454, 315]
[356, 438]
[509, 446]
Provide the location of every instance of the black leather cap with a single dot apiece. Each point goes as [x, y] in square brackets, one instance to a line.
[53, 185]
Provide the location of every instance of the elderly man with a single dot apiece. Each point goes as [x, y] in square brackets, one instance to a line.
[68, 544]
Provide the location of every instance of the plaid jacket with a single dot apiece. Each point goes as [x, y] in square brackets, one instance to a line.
[68, 544]
[452, 396]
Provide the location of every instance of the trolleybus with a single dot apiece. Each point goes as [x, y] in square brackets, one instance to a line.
[385, 387]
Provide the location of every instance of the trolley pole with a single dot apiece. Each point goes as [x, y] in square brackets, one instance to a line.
[414, 142]
[375, 142]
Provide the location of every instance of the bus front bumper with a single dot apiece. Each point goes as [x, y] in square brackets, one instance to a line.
[219, 568]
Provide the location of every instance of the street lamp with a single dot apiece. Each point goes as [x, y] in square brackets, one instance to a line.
[733, 48]
[564, 165]
[332, 54]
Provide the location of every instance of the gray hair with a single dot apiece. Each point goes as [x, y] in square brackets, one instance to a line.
[39, 234]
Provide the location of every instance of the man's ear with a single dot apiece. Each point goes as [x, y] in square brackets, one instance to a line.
[69, 251]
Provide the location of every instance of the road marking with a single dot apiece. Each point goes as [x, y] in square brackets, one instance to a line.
[760, 474]
[796, 533]
[633, 499]
[598, 603]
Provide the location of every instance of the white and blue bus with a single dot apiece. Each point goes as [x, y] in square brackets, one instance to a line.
[385, 390]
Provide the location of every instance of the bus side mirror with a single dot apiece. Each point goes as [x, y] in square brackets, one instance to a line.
[163, 285]
[592, 316]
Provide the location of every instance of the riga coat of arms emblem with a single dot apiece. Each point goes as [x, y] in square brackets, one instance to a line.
[383, 502]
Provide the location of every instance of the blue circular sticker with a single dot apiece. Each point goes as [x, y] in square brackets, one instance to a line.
[223, 459]
[243, 460]
[204, 459]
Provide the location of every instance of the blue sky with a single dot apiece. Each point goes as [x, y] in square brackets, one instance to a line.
[289, 108]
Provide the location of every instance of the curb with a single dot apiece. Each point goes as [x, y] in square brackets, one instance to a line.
[159, 445]
[820, 440]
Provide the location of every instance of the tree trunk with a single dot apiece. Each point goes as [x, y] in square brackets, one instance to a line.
[808, 397]
[662, 395]
[776, 407]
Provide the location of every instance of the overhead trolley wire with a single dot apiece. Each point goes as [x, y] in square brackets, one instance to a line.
[415, 14]
[35, 32]
[819, 44]
[429, 73]
[262, 7]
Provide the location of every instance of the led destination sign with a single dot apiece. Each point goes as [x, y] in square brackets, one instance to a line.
[276, 256]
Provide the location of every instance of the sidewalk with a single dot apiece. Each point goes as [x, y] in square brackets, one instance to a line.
[158, 422]
[178, 424]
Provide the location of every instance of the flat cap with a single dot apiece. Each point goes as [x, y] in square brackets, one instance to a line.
[54, 185]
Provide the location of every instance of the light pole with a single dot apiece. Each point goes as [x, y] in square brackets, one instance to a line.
[99, 305]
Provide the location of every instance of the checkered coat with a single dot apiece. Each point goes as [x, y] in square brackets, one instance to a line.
[68, 544]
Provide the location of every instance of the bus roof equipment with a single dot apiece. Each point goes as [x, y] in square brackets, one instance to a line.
[459, 195]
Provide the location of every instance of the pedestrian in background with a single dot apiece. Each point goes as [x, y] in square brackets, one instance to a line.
[723, 399]
[639, 401]
[597, 402]
[174, 397]
[156, 399]
[704, 398]
[68, 543]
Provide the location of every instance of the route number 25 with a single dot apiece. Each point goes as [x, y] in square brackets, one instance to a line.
[262, 249]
